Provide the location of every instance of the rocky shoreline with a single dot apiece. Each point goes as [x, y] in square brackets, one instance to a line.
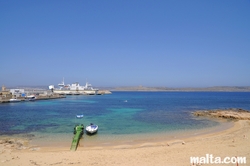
[234, 114]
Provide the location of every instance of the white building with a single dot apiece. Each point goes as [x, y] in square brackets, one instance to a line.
[17, 92]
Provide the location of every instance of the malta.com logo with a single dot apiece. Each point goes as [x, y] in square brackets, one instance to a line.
[210, 159]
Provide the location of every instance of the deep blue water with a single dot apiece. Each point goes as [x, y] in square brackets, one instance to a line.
[118, 113]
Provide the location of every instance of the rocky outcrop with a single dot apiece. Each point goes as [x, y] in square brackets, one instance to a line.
[12, 143]
[237, 114]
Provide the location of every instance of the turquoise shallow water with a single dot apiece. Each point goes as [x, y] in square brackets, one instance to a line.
[120, 116]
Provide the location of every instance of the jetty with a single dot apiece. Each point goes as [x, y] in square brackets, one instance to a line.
[48, 97]
[10, 95]
[78, 131]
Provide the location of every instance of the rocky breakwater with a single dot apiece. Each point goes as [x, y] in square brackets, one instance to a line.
[234, 114]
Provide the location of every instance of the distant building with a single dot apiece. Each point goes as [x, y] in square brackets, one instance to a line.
[4, 93]
[17, 92]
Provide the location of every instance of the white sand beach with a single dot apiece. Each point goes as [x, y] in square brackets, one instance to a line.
[228, 143]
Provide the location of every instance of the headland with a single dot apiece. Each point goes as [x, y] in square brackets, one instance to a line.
[183, 89]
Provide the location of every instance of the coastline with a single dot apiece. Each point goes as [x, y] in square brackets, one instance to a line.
[183, 89]
[230, 142]
[64, 140]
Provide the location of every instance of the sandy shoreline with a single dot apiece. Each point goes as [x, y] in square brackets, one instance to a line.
[230, 142]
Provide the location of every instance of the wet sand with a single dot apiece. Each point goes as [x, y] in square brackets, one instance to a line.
[231, 142]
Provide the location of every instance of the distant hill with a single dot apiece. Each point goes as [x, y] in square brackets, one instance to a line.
[143, 88]
[215, 88]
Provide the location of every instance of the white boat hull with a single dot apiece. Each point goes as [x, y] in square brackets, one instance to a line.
[15, 100]
[79, 116]
[91, 129]
[74, 92]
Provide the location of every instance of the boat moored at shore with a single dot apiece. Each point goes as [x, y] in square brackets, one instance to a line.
[78, 132]
[76, 89]
[91, 129]
[14, 100]
[31, 98]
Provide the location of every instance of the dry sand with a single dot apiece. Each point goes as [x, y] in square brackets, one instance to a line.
[231, 142]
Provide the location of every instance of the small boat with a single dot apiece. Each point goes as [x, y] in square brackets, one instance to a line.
[91, 129]
[79, 116]
[31, 98]
[78, 132]
[79, 128]
[15, 100]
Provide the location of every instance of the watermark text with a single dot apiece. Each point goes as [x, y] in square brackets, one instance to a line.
[210, 159]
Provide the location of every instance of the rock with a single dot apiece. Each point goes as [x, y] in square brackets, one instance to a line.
[236, 114]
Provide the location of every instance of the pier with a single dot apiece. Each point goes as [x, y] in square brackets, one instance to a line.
[43, 94]
[23, 99]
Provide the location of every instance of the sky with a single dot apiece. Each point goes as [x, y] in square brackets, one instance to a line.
[167, 43]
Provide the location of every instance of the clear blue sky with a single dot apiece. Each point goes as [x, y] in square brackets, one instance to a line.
[170, 43]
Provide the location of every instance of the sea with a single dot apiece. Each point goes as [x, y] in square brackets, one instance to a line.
[122, 117]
